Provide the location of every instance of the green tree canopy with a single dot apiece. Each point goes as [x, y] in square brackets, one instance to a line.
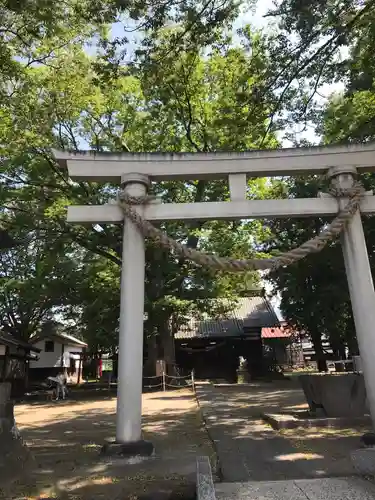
[36, 282]
[313, 40]
[31, 31]
[194, 102]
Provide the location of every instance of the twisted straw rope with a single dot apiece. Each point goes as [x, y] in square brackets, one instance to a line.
[315, 244]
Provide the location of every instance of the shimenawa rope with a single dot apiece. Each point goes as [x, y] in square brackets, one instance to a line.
[354, 195]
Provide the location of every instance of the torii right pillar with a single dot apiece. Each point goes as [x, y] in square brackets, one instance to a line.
[361, 286]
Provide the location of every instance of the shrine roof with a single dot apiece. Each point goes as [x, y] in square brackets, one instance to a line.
[276, 333]
[249, 313]
[8, 339]
[53, 330]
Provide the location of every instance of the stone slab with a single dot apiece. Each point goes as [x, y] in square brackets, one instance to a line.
[315, 489]
[337, 489]
[273, 490]
[287, 421]
[205, 484]
[364, 461]
[336, 395]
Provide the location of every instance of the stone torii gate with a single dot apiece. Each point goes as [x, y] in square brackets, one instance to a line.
[135, 171]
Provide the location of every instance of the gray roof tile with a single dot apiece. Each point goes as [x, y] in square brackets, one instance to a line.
[250, 312]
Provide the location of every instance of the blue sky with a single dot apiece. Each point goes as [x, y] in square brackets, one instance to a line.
[247, 16]
[255, 17]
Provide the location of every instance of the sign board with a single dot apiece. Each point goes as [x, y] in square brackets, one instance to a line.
[107, 365]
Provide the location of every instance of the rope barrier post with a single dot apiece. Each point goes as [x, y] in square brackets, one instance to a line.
[192, 379]
[361, 286]
[164, 384]
[130, 361]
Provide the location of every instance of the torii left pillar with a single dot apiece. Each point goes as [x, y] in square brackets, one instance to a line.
[129, 440]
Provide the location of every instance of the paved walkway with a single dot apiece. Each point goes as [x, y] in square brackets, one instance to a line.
[313, 489]
[250, 450]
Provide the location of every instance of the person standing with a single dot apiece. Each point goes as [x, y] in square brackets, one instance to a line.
[61, 386]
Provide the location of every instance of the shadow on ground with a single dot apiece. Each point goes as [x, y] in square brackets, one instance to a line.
[66, 438]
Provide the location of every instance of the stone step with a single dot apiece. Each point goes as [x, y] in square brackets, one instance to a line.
[350, 488]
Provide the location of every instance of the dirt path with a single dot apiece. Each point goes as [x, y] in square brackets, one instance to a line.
[66, 437]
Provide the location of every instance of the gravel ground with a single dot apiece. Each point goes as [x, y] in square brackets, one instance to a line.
[65, 439]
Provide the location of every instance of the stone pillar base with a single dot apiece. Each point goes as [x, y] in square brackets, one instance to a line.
[139, 448]
[243, 377]
[368, 439]
[363, 461]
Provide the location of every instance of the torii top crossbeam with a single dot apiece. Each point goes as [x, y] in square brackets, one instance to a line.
[109, 167]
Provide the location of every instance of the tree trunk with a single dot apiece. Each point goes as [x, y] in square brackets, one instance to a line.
[351, 337]
[26, 378]
[5, 364]
[168, 349]
[152, 356]
[338, 347]
[342, 351]
[319, 353]
[353, 346]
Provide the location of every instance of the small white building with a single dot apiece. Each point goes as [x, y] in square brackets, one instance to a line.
[58, 352]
